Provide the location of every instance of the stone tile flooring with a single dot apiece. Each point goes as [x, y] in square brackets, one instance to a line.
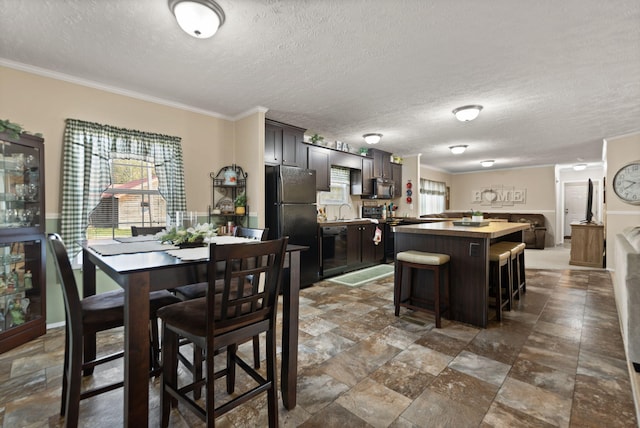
[556, 360]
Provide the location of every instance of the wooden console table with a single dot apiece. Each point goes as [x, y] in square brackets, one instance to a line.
[587, 245]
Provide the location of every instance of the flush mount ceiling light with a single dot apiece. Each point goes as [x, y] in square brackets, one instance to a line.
[456, 150]
[467, 113]
[198, 18]
[372, 138]
[487, 163]
[580, 166]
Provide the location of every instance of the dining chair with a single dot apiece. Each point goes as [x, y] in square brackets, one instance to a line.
[85, 317]
[245, 307]
[147, 230]
[198, 290]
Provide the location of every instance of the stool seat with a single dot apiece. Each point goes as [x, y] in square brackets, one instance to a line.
[500, 281]
[423, 258]
[498, 254]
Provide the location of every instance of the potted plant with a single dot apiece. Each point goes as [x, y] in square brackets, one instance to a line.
[477, 216]
[240, 203]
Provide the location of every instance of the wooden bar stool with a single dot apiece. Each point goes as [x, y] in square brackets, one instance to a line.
[435, 262]
[500, 278]
[519, 280]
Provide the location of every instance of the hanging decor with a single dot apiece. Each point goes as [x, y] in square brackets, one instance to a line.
[409, 192]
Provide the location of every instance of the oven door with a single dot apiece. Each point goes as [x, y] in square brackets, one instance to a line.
[334, 250]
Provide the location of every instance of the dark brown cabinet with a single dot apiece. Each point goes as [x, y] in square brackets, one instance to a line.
[361, 183]
[22, 240]
[283, 144]
[362, 250]
[319, 159]
[381, 163]
[396, 176]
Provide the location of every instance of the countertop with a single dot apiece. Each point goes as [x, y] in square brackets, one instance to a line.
[493, 230]
[391, 220]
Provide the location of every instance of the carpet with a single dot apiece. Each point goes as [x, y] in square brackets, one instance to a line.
[363, 276]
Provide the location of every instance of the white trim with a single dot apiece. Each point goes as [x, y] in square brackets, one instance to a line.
[257, 109]
[623, 212]
[56, 325]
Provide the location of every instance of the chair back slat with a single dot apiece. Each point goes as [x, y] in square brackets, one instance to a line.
[248, 232]
[248, 286]
[70, 293]
[150, 230]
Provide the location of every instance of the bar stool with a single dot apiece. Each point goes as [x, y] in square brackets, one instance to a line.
[517, 266]
[435, 262]
[500, 278]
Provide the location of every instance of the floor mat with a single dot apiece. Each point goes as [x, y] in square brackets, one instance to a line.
[363, 276]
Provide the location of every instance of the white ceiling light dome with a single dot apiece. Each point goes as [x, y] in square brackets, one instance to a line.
[198, 18]
[456, 150]
[467, 113]
[372, 138]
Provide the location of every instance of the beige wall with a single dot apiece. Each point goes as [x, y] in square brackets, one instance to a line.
[619, 215]
[249, 153]
[41, 104]
[539, 184]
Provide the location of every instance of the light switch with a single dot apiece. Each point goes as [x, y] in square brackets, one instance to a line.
[474, 249]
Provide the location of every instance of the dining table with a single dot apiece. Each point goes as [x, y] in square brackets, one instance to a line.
[140, 268]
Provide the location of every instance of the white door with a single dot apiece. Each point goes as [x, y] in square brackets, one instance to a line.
[575, 204]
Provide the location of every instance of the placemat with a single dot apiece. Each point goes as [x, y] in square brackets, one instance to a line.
[130, 248]
[202, 253]
[139, 238]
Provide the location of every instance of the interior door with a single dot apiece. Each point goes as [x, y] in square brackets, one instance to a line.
[575, 204]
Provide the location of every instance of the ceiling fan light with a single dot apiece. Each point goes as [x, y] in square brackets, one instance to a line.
[372, 138]
[456, 150]
[467, 113]
[198, 18]
[580, 167]
[487, 163]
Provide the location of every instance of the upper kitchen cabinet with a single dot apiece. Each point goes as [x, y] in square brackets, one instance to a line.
[361, 183]
[381, 163]
[320, 160]
[283, 144]
[396, 176]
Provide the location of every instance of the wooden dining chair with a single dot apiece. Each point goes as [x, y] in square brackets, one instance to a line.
[85, 317]
[244, 307]
[147, 230]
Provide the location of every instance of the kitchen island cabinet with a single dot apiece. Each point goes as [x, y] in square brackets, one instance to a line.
[468, 248]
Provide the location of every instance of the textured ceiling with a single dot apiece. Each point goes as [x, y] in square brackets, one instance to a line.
[555, 78]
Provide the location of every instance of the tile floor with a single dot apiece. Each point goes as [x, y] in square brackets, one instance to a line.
[557, 360]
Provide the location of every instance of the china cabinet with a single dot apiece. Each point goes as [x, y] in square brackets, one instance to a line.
[22, 240]
[228, 200]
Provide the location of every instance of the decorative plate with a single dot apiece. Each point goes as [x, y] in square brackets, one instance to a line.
[225, 205]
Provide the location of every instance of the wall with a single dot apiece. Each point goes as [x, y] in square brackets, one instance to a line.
[41, 103]
[538, 182]
[619, 215]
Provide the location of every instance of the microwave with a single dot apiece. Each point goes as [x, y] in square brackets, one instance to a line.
[382, 188]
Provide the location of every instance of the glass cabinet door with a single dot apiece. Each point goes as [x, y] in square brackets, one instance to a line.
[21, 297]
[20, 186]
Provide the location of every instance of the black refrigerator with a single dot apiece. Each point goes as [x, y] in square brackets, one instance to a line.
[291, 211]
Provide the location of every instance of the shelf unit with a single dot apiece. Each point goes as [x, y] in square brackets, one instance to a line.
[227, 184]
[22, 240]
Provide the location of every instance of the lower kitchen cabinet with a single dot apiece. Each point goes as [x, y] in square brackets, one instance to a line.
[362, 250]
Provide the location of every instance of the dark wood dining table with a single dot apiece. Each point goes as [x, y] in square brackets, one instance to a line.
[140, 273]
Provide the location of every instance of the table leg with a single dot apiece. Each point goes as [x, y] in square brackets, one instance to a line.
[290, 308]
[88, 289]
[136, 351]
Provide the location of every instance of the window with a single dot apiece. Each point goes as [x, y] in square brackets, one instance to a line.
[97, 159]
[432, 196]
[340, 188]
[132, 199]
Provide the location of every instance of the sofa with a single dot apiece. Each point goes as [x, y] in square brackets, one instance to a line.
[534, 237]
[626, 286]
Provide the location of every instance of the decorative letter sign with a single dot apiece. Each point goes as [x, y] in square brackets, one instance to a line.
[499, 196]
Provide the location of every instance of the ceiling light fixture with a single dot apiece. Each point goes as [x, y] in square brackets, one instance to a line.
[487, 163]
[456, 150]
[198, 18]
[372, 138]
[580, 167]
[467, 113]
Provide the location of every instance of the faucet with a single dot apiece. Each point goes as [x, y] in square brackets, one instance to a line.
[340, 210]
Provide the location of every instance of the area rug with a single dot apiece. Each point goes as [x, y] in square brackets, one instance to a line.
[363, 276]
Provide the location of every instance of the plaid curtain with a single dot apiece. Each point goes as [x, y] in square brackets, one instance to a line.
[87, 150]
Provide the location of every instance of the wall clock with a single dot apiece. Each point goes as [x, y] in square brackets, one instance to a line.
[626, 183]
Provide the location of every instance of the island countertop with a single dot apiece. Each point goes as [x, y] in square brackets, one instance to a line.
[492, 230]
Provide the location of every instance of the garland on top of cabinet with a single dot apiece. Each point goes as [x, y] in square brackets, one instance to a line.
[13, 129]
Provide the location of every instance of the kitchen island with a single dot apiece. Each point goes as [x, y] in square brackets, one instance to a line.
[468, 248]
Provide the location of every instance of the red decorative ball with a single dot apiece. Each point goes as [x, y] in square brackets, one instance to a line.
[409, 185]
[409, 199]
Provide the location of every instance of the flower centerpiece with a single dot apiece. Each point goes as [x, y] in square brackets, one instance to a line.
[196, 236]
